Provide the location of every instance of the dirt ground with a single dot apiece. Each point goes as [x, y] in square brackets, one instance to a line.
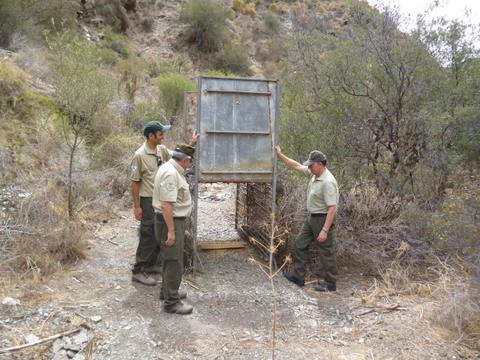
[232, 317]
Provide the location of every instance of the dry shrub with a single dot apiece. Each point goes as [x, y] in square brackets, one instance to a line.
[42, 240]
[449, 293]
[369, 228]
[457, 303]
[147, 24]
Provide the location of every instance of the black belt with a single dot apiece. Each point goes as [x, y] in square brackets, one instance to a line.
[318, 214]
[159, 216]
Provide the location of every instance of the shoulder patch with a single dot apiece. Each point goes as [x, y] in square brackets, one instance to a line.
[134, 167]
[170, 186]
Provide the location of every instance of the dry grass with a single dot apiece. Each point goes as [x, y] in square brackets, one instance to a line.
[39, 240]
[449, 295]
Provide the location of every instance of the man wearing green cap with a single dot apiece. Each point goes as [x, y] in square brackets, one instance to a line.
[322, 200]
[143, 168]
[173, 204]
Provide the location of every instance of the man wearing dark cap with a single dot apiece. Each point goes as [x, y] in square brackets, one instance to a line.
[143, 168]
[173, 204]
[322, 200]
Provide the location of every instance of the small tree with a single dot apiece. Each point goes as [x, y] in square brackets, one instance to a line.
[82, 90]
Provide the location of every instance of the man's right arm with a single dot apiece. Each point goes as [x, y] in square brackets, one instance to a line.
[287, 161]
[137, 210]
[167, 211]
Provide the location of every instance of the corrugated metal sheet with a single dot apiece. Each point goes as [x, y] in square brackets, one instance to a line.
[236, 121]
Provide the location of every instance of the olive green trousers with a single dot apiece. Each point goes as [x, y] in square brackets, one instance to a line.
[308, 234]
[148, 250]
[172, 258]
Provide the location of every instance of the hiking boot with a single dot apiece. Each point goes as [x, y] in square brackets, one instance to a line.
[154, 269]
[325, 287]
[293, 279]
[179, 308]
[144, 279]
[182, 294]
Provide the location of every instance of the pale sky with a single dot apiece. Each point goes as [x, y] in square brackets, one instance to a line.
[451, 9]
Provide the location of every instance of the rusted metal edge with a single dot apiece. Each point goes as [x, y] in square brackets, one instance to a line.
[238, 78]
[238, 92]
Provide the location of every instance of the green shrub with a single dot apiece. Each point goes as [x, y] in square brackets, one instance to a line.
[108, 56]
[113, 151]
[206, 23]
[172, 87]
[9, 17]
[114, 14]
[233, 57]
[30, 17]
[15, 94]
[271, 22]
[142, 113]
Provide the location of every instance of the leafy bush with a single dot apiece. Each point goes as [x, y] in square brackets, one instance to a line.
[172, 87]
[108, 56]
[271, 22]
[30, 17]
[9, 17]
[206, 23]
[142, 113]
[15, 93]
[114, 14]
[113, 151]
[238, 5]
[233, 57]
[453, 228]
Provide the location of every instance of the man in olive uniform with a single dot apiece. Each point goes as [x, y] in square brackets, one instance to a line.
[173, 204]
[322, 200]
[143, 168]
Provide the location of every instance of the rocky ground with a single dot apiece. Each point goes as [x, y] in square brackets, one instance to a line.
[113, 318]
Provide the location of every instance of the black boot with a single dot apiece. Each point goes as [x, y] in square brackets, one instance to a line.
[326, 286]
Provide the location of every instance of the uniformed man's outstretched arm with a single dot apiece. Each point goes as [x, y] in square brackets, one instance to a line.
[289, 162]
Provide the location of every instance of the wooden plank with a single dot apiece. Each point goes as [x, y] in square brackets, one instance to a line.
[216, 245]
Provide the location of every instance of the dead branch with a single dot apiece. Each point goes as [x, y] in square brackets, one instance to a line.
[380, 308]
[41, 341]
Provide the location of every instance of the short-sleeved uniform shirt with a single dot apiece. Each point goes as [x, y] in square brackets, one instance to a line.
[321, 192]
[171, 186]
[145, 164]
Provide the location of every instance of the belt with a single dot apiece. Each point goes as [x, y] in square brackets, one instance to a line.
[318, 214]
[159, 216]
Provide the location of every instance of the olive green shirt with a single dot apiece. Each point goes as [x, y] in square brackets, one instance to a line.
[321, 192]
[145, 164]
[171, 186]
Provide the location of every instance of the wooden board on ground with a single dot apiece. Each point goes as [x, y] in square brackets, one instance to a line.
[216, 245]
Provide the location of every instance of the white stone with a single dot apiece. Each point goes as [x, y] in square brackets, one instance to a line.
[96, 318]
[10, 301]
[31, 338]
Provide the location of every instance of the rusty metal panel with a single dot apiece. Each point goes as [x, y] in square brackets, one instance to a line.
[236, 122]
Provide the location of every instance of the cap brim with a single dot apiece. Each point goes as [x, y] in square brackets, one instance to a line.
[166, 127]
[308, 163]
